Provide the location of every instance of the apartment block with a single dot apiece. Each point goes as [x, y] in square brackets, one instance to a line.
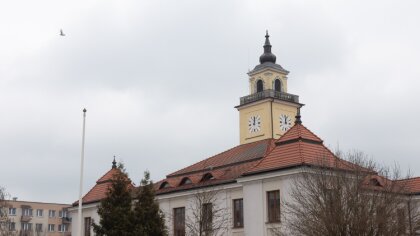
[38, 218]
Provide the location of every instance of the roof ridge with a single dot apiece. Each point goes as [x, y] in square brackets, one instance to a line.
[215, 155]
[311, 132]
[405, 179]
[299, 129]
[98, 181]
[91, 189]
[262, 159]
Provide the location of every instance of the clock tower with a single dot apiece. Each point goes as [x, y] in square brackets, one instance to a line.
[268, 111]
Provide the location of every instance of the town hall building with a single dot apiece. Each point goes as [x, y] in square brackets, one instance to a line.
[251, 180]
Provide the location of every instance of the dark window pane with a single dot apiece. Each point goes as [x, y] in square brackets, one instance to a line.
[260, 87]
[88, 223]
[238, 213]
[179, 221]
[207, 218]
[273, 206]
[277, 85]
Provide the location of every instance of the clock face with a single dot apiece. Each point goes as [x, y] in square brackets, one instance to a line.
[285, 122]
[254, 124]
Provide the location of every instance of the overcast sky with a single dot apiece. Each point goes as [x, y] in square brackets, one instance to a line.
[160, 80]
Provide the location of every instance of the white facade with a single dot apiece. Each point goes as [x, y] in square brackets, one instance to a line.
[252, 189]
[88, 211]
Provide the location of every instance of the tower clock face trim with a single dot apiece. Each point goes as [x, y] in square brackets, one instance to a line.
[285, 122]
[254, 124]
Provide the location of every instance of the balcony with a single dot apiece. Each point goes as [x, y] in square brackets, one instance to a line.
[25, 218]
[66, 220]
[269, 93]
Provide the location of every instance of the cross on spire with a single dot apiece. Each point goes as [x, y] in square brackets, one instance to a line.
[114, 163]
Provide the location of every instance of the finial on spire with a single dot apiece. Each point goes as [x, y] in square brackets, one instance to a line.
[298, 120]
[267, 56]
[114, 164]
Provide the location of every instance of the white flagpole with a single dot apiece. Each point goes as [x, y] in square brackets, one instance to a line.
[81, 175]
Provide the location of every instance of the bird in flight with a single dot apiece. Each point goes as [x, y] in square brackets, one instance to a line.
[62, 33]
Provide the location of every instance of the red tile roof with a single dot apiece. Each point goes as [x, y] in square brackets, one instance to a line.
[99, 191]
[224, 167]
[238, 154]
[412, 185]
[298, 146]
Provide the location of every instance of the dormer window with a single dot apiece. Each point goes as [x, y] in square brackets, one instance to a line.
[207, 176]
[277, 85]
[164, 185]
[260, 86]
[374, 182]
[185, 180]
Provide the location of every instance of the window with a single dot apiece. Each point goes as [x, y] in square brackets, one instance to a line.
[88, 223]
[38, 227]
[260, 86]
[207, 218]
[185, 180]
[12, 226]
[27, 226]
[179, 221]
[277, 85]
[27, 211]
[51, 228]
[51, 213]
[164, 185]
[12, 211]
[63, 228]
[207, 176]
[273, 206]
[39, 212]
[401, 221]
[238, 213]
[62, 214]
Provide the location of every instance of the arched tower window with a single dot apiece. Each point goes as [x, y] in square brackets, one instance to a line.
[260, 86]
[277, 85]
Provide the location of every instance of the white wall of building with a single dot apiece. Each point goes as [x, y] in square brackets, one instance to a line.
[88, 210]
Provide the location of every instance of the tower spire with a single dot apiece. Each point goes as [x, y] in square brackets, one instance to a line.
[114, 164]
[267, 56]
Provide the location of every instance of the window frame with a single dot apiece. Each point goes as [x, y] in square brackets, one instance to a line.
[62, 228]
[277, 82]
[181, 230]
[26, 226]
[12, 211]
[259, 83]
[37, 227]
[87, 225]
[12, 226]
[27, 212]
[39, 211]
[238, 223]
[51, 213]
[207, 217]
[51, 227]
[273, 208]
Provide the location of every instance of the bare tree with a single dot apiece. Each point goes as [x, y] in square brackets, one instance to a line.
[352, 197]
[4, 217]
[207, 214]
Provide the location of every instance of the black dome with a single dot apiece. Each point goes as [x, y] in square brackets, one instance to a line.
[267, 56]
